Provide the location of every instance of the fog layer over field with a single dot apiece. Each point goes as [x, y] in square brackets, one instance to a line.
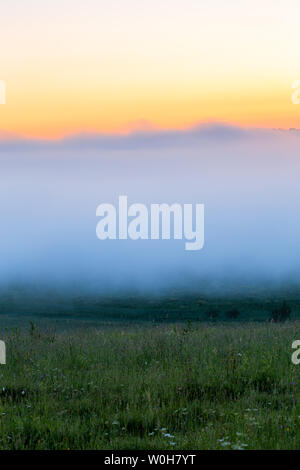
[247, 179]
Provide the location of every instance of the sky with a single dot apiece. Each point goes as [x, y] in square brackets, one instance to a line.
[205, 83]
[103, 66]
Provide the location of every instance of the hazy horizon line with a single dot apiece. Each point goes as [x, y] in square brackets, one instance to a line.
[10, 141]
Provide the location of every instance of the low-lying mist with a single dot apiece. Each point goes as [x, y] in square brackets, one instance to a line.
[247, 179]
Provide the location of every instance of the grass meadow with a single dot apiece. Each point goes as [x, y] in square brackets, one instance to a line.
[193, 385]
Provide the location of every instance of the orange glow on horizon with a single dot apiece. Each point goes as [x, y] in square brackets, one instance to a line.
[54, 113]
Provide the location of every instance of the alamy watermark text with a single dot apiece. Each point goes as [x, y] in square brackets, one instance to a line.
[115, 224]
[2, 92]
[2, 353]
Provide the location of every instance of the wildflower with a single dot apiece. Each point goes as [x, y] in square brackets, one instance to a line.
[239, 446]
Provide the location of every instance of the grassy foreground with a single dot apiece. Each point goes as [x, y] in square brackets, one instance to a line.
[204, 386]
